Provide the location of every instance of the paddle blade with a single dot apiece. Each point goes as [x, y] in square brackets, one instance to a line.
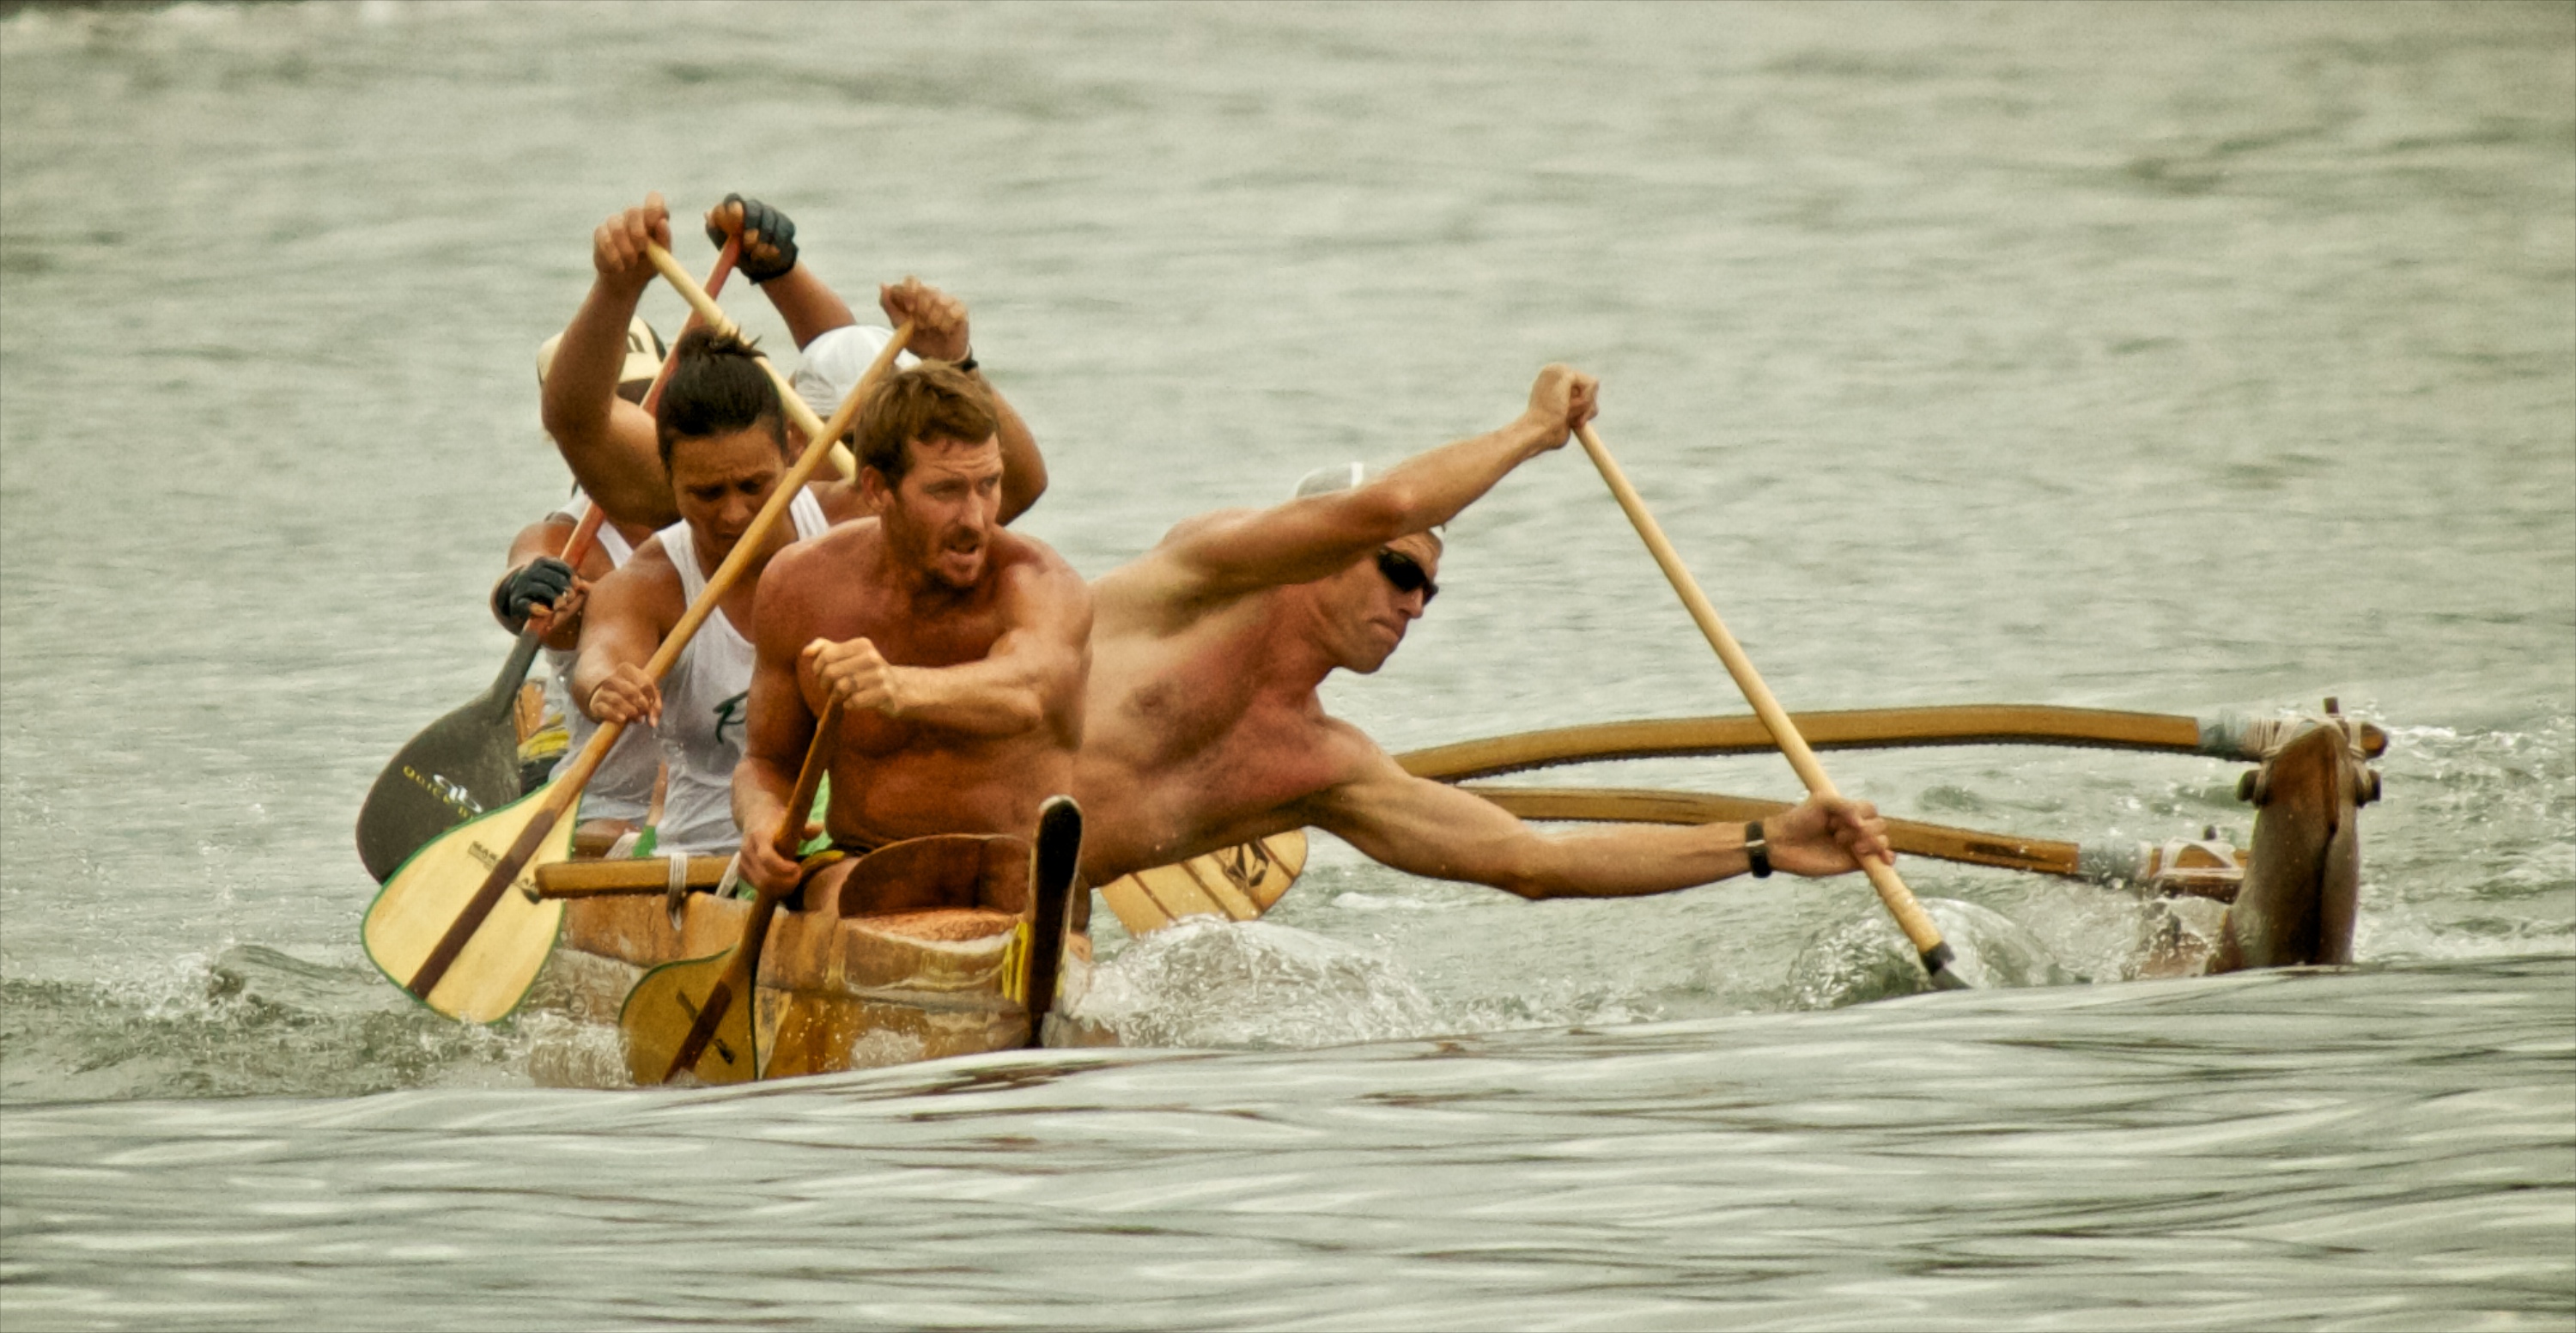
[664, 1007]
[1236, 884]
[437, 886]
[1055, 875]
[458, 767]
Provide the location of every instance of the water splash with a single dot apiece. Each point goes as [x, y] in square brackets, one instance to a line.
[1867, 958]
[1253, 985]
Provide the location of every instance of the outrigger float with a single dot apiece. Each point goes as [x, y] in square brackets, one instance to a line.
[839, 990]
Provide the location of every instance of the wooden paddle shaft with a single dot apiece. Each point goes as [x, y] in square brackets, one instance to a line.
[703, 306]
[742, 969]
[1910, 916]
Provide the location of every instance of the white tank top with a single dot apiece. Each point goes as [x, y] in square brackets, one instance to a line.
[705, 701]
[623, 786]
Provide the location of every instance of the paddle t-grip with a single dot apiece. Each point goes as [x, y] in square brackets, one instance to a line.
[1910, 917]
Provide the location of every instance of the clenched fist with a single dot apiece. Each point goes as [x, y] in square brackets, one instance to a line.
[855, 674]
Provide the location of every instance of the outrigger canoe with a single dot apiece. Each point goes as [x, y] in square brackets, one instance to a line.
[838, 991]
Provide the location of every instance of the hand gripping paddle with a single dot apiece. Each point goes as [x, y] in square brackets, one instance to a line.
[697, 1015]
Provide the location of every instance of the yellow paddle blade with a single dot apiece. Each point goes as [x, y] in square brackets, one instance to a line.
[437, 886]
[663, 1007]
[1237, 884]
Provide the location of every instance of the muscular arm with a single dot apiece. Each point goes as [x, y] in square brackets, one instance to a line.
[1032, 676]
[1024, 472]
[807, 303]
[1435, 830]
[1310, 538]
[628, 614]
[779, 726]
[608, 442]
[1418, 825]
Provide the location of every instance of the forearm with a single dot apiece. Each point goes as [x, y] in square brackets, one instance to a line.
[1625, 861]
[808, 304]
[986, 699]
[761, 787]
[1024, 472]
[1432, 488]
[621, 470]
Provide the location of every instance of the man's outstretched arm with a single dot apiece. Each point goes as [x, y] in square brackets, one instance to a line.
[608, 442]
[1316, 536]
[1432, 829]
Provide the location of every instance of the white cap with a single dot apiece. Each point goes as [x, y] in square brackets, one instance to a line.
[835, 360]
[644, 353]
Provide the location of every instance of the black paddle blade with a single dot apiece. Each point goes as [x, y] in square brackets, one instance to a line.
[1055, 877]
[457, 767]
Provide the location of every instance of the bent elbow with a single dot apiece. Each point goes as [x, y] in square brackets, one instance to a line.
[1386, 511]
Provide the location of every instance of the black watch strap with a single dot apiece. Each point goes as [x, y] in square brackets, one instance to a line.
[1757, 852]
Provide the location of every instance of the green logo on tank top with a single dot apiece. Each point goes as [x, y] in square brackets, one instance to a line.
[730, 713]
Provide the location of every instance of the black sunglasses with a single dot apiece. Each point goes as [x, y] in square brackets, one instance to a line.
[1407, 576]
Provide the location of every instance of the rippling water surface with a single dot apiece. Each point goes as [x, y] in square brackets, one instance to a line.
[2177, 358]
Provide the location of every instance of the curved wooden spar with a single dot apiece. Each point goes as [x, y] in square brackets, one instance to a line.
[1899, 900]
[1864, 729]
[1642, 805]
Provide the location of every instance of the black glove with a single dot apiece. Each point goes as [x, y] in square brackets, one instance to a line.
[540, 582]
[774, 253]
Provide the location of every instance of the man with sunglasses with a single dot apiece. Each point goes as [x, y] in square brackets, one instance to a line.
[1202, 728]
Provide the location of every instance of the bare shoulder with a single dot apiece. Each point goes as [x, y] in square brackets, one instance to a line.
[1026, 566]
[1165, 576]
[646, 572]
[806, 572]
[1354, 766]
[839, 499]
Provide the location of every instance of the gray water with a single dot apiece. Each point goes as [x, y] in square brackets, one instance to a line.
[2182, 358]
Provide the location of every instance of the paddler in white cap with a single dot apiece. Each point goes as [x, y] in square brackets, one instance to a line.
[539, 586]
[1202, 729]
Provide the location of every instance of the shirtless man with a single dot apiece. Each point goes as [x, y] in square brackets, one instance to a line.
[611, 444]
[1204, 730]
[956, 648]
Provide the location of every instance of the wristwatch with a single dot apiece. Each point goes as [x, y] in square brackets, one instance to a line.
[1757, 852]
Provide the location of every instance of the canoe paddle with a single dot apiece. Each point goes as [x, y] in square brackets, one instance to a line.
[468, 761]
[697, 1015]
[452, 893]
[1899, 900]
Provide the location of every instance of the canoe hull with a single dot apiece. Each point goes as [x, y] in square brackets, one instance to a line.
[834, 993]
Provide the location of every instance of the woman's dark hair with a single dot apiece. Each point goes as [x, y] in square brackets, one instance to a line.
[718, 387]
